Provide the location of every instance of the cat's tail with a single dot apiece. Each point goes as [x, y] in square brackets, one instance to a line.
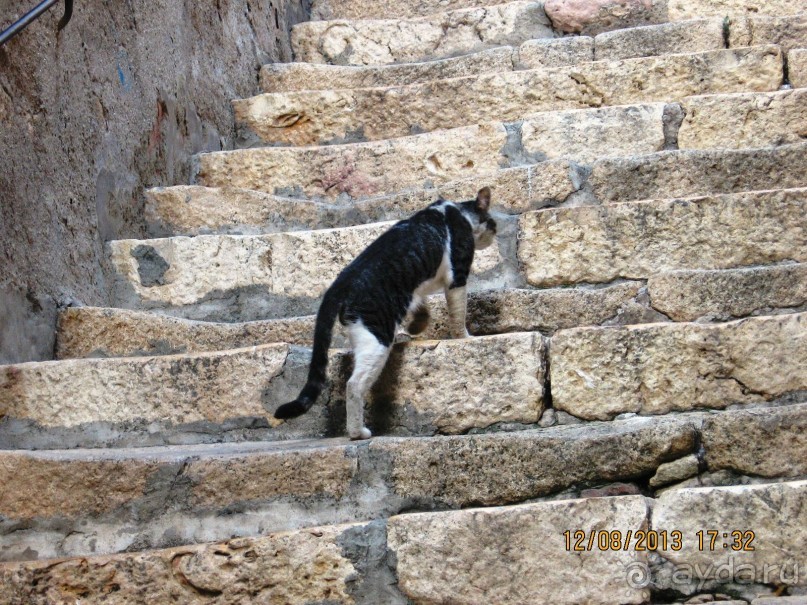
[323, 330]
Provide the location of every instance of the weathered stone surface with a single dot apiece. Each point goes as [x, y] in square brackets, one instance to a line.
[788, 32]
[693, 9]
[176, 389]
[378, 42]
[523, 560]
[297, 568]
[765, 442]
[288, 77]
[779, 600]
[776, 514]
[675, 471]
[594, 16]
[671, 174]
[587, 135]
[744, 120]
[599, 373]
[456, 385]
[370, 9]
[555, 52]
[503, 468]
[103, 332]
[361, 169]
[514, 310]
[639, 239]
[196, 210]
[184, 495]
[159, 496]
[727, 294]
[427, 386]
[797, 67]
[305, 118]
[98, 332]
[662, 39]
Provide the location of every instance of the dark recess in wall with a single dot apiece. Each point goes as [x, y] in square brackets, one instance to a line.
[115, 103]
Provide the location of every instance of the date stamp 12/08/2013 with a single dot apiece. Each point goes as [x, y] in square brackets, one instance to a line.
[736, 540]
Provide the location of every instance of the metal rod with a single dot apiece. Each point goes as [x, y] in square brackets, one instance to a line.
[33, 15]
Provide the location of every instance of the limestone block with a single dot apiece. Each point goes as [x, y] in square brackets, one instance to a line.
[176, 389]
[685, 173]
[744, 120]
[587, 135]
[372, 9]
[288, 77]
[728, 294]
[382, 41]
[639, 239]
[517, 554]
[776, 514]
[508, 467]
[789, 32]
[99, 332]
[599, 373]
[359, 170]
[797, 67]
[662, 39]
[555, 52]
[298, 567]
[692, 9]
[763, 442]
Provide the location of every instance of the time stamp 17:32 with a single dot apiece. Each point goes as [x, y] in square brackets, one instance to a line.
[650, 540]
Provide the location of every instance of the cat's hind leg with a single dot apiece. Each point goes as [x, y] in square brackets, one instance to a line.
[369, 358]
[457, 302]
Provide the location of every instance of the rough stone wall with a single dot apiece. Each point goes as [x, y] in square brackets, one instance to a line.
[115, 103]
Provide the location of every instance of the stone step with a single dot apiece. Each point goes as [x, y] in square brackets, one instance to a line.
[243, 278]
[85, 502]
[80, 502]
[445, 34]
[198, 210]
[402, 559]
[735, 120]
[93, 332]
[671, 174]
[729, 293]
[788, 31]
[744, 120]
[323, 10]
[690, 9]
[289, 77]
[383, 167]
[318, 117]
[678, 37]
[429, 387]
[680, 295]
[599, 373]
[636, 240]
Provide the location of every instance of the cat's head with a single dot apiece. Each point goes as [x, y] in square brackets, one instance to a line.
[476, 211]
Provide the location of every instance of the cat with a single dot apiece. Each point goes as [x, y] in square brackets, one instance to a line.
[428, 252]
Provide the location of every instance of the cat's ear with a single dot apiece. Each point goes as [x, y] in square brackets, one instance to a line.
[483, 199]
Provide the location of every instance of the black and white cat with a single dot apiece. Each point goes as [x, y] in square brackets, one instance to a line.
[428, 252]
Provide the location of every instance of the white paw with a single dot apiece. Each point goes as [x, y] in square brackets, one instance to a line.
[362, 433]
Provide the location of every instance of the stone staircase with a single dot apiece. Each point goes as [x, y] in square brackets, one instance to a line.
[638, 371]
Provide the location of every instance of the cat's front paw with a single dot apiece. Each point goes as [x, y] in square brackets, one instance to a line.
[362, 433]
